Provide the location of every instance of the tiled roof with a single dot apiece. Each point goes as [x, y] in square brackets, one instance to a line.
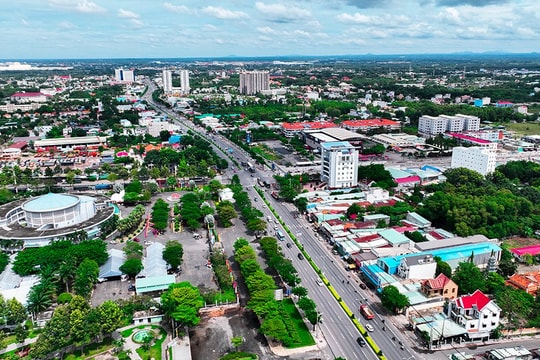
[308, 125]
[477, 298]
[438, 283]
[370, 123]
[27, 94]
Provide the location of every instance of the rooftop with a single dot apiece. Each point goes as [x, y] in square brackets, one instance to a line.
[50, 202]
[477, 299]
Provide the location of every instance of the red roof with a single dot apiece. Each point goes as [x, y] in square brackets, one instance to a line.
[532, 250]
[436, 235]
[477, 298]
[370, 123]
[367, 238]
[469, 138]
[308, 125]
[27, 94]
[438, 283]
[19, 145]
[408, 179]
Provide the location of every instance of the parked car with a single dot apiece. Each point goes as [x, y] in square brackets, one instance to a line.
[136, 239]
[131, 287]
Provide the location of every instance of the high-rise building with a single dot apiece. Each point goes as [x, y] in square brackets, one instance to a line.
[252, 82]
[166, 77]
[434, 125]
[480, 159]
[184, 82]
[122, 75]
[339, 164]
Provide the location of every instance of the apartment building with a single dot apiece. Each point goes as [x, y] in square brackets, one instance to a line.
[479, 159]
[434, 125]
[253, 82]
[339, 164]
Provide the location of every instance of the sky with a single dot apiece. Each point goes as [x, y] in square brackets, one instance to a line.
[81, 29]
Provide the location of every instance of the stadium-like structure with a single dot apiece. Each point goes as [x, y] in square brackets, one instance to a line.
[41, 219]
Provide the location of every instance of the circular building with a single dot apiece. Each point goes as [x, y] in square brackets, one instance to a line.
[39, 220]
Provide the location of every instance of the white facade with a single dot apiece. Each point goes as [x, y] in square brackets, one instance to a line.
[122, 75]
[339, 164]
[166, 77]
[184, 82]
[252, 82]
[417, 267]
[481, 160]
[431, 125]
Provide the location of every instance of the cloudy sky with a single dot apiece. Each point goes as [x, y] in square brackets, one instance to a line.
[34, 29]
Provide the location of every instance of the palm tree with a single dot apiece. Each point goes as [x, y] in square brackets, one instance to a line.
[39, 299]
[66, 271]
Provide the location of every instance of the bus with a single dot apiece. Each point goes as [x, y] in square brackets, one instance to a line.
[366, 312]
[250, 167]
[280, 235]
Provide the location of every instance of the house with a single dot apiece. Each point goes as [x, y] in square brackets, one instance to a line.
[417, 267]
[477, 313]
[440, 286]
[532, 250]
[529, 282]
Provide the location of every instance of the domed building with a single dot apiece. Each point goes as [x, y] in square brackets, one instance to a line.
[40, 220]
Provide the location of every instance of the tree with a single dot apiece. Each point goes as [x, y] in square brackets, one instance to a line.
[173, 253]
[393, 300]
[256, 224]
[507, 264]
[226, 212]
[16, 313]
[39, 299]
[306, 304]
[468, 278]
[164, 135]
[442, 267]
[21, 333]
[214, 186]
[86, 277]
[354, 211]
[493, 283]
[299, 291]
[236, 342]
[132, 267]
[182, 302]
[110, 316]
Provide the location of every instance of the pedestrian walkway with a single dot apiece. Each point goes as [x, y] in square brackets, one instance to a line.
[15, 346]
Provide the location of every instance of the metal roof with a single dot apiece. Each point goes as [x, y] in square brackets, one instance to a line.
[50, 202]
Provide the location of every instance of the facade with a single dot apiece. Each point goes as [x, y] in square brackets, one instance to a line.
[53, 216]
[434, 125]
[477, 313]
[339, 164]
[481, 160]
[184, 82]
[252, 82]
[417, 267]
[441, 286]
[122, 75]
[166, 78]
[28, 97]
[370, 124]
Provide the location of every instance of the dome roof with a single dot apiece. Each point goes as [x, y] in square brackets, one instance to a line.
[50, 202]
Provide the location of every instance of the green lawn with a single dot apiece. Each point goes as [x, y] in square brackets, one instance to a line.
[301, 328]
[91, 350]
[265, 152]
[524, 128]
[155, 350]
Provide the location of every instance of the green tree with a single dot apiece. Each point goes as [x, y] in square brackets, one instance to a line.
[110, 316]
[299, 291]
[182, 302]
[236, 342]
[226, 212]
[468, 278]
[132, 267]
[21, 333]
[442, 267]
[86, 277]
[173, 253]
[493, 283]
[393, 300]
[16, 313]
[306, 304]
[354, 211]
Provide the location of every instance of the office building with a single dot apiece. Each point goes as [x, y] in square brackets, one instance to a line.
[166, 77]
[184, 82]
[122, 75]
[481, 160]
[252, 82]
[434, 125]
[339, 164]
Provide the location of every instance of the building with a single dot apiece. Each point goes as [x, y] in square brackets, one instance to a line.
[528, 282]
[42, 219]
[481, 160]
[371, 124]
[315, 137]
[29, 97]
[513, 353]
[252, 82]
[290, 130]
[441, 286]
[166, 78]
[339, 164]
[417, 267]
[184, 82]
[434, 125]
[125, 76]
[477, 313]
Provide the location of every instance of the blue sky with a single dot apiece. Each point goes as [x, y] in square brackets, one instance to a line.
[34, 29]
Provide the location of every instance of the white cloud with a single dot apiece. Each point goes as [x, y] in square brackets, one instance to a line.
[126, 14]
[355, 18]
[177, 8]
[225, 14]
[451, 15]
[266, 30]
[282, 13]
[82, 6]
[136, 23]
[66, 25]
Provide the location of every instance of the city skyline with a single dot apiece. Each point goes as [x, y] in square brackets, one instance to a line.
[45, 29]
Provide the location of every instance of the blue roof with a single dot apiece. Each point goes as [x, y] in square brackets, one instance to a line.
[331, 144]
[50, 202]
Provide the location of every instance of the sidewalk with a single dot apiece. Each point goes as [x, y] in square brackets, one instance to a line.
[16, 346]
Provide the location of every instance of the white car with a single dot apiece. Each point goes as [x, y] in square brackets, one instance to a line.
[319, 282]
[369, 327]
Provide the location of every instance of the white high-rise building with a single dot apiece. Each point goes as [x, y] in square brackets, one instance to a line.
[122, 75]
[434, 125]
[184, 82]
[167, 81]
[339, 164]
[480, 159]
[252, 82]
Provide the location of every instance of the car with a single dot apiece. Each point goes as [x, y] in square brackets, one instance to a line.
[264, 205]
[275, 227]
[319, 282]
[361, 341]
[370, 327]
[300, 256]
[255, 199]
[363, 286]
[289, 245]
[131, 287]
[136, 240]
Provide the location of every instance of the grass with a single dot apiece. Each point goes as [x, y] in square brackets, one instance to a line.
[155, 350]
[523, 128]
[299, 324]
[265, 152]
[91, 350]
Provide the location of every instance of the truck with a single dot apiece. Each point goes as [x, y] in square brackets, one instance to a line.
[366, 312]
